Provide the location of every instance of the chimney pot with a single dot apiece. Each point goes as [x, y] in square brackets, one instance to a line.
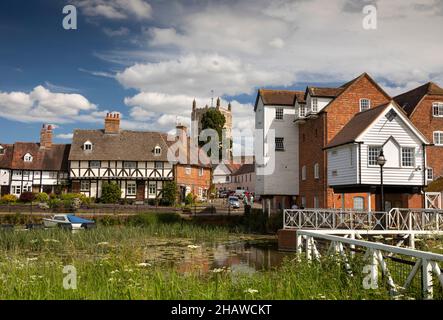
[112, 123]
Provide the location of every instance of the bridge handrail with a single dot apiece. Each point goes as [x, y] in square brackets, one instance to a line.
[395, 219]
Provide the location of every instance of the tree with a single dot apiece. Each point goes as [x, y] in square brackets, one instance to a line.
[111, 193]
[213, 119]
[169, 193]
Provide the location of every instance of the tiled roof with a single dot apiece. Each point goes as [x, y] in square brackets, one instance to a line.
[324, 92]
[278, 97]
[52, 159]
[124, 146]
[356, 126]
[409, 100]
[6, 157]
[246, 168]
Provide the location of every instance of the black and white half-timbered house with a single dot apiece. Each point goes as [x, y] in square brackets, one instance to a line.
[34, 167]
[135, 160]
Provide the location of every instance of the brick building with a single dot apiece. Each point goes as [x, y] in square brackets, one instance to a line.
[193, 175]
[327, 111]
[424, 106]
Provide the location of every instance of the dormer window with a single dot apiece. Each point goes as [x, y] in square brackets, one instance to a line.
[437, 109]
[314, 105]
[2, 150]
[87, 146]
[157, 151]
[28, 157]
[365, 104]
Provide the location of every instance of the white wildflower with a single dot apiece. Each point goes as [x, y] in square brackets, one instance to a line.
[192, 246]
[103, 243]
[251, 291]
[144, 264]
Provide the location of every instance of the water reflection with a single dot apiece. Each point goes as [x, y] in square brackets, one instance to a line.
[240, 257]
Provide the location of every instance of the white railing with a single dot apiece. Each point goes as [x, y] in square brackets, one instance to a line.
[395, 219]
[426, 262]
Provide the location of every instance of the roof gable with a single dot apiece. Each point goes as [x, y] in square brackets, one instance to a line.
[363, 121]
[277, 97]
[410, 99]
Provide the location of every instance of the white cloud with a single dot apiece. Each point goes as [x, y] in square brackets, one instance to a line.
[116, 9]
[42, 105]
[123, 31]
[64, 136]
[197, 75]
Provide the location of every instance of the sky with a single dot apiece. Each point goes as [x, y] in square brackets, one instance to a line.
[148, 59]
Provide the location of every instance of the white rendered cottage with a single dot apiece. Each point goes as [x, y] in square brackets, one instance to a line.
[352, 155]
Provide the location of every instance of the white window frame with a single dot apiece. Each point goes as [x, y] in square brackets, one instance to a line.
[314, 105]
[412, 157]
[131, 188]
[85, 186]
[316, 202]
[430, 174]
[152, 188]
[157, 151]
[87, 146]
[28, 157]
[362, 207]
[438, 138]
[200, 172]
[316, 171]
[303, 173]
[2, 150]
[302, 111]
[373, 164]
[17, 190]
[279, 113]
[188, 171]
[366, 107]
[279, 144]
[437, 106]
[27, 188]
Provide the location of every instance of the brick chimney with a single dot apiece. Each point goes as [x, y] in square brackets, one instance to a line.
[46, 136]
[182, 132]
[112, 123]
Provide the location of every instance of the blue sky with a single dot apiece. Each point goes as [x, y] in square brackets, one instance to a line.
[148, 59]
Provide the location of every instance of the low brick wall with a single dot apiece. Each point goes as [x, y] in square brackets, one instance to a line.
[287, 239]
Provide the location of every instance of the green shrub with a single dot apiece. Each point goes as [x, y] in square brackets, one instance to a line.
[55, 204]
[111, 193]
[190, 199]
[169, 193]
[8, 198]
[42, 197]
[27, 197]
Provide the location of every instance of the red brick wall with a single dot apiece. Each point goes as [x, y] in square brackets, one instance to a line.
[398, 200]
[193, 180]
[315, 135]
[424, 121]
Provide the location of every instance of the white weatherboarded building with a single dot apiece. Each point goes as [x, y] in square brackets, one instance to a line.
[352, 155]
[277, 165]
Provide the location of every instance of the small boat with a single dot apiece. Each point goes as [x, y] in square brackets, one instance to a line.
[68, 221]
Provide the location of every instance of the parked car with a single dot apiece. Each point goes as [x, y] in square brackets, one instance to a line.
[223, 194]
[234, 202]
[240, 193]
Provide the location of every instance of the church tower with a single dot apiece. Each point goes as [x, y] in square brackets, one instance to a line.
[197, 114]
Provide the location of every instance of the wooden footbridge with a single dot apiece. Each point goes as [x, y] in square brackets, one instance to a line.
[342, 234]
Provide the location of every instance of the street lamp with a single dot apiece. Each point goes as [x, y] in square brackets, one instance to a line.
[381, 161]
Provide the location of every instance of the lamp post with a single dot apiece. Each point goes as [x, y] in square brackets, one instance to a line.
[381, 161]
